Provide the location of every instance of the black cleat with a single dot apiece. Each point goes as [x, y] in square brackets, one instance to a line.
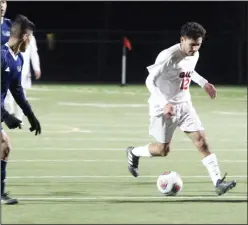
[223, 186]
[133, 162]
[7, 200]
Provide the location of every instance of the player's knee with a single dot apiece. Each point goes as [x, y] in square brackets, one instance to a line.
[5, 146]
[164, 149]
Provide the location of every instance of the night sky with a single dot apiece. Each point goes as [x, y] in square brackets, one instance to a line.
[129, 15]
[95, 30]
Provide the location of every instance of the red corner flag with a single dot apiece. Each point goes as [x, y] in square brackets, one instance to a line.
[127, 43]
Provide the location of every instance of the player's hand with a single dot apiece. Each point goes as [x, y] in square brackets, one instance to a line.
[210, 89]
[35, 124]
[37, 75]
[12, 122]
[169, 111]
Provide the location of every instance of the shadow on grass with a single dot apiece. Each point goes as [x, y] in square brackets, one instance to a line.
[182, 201]
[82, 199]
[84, 202]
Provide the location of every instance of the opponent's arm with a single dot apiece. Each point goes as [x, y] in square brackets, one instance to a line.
[18, 94]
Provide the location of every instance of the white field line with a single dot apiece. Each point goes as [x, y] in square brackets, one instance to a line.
[120, 149]
[106, 139]
[123, 198]
[107, 91]
[109, 161]
[195, 95]
[230, 113]
[127, 131]
[112, 177]
[85, 116]
[104, 105]
[125, 123]
[33, 99]
[144, 114]
[59, 131]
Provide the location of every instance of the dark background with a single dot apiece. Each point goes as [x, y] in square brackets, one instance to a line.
[89, 35]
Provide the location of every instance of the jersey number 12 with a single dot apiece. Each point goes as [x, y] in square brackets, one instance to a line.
[185, 83]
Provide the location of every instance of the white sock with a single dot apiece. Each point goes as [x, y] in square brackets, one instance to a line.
[210, 162]
[142, 151]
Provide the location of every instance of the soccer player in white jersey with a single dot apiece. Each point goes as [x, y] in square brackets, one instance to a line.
[170, 104]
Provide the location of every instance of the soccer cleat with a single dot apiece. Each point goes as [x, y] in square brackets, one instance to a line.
[7, 200]
[223, 186]
[133, 162]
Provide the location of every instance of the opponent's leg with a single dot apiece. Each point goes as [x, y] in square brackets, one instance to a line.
[162, 130]
[4, 153]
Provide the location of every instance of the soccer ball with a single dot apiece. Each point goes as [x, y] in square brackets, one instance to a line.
[169, 183]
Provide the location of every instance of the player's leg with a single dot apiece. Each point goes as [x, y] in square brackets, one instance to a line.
[4, 153]
[192, 126]
[9, 103]
[18, 112]
[162, 130]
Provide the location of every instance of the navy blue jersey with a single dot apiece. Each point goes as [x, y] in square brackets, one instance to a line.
[11, 69]
[5, 30]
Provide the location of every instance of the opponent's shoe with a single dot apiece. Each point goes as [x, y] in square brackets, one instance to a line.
[7, 200]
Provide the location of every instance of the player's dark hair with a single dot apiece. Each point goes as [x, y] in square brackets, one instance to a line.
[193, 30]
[20, 25]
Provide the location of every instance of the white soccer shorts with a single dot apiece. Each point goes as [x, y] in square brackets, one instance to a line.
[185, 117]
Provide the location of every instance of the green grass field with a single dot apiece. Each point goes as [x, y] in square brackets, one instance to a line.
[76, 171]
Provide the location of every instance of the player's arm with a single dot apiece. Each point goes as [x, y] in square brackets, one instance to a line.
[11, 121]
[209, 88]
[162, 62]
[18, 94]
[198, 79]
[155, 71]
[35, 60]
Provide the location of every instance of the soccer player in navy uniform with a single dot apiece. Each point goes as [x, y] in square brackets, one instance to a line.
[11, 68]
[5, 24]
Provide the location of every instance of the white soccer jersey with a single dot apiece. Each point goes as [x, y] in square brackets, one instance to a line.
[169, 78]
[30, 54]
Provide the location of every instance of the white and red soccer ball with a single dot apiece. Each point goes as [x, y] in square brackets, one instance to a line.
[169, 183]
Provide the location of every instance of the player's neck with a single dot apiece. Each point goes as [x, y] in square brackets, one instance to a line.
[14, 45]
[182, 51]
[1, 19]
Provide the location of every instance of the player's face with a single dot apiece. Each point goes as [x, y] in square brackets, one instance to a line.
[3, 7]
[190, 46]
[25, 40]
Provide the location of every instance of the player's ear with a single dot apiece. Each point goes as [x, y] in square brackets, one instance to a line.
[181, 39]
[24, 37]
